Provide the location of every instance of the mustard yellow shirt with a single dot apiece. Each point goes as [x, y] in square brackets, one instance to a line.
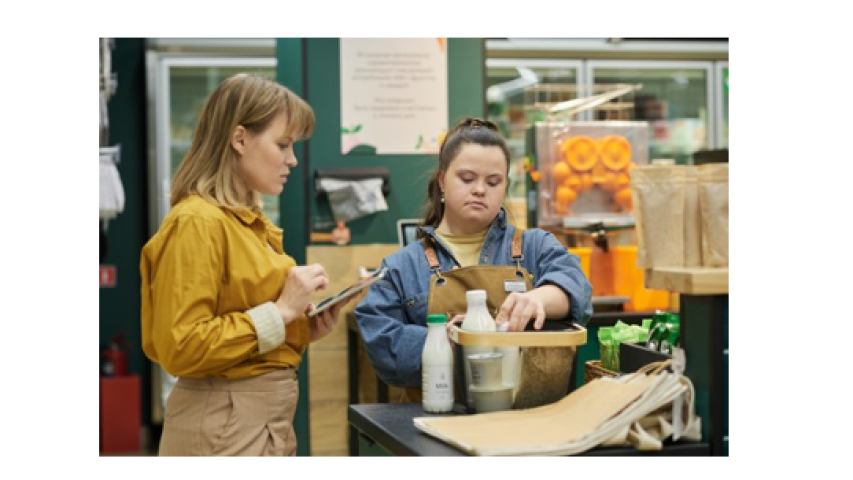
[209, 283]
[466, 248]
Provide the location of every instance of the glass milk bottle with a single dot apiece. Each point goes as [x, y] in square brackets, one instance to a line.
[437, 367]
[477, 319]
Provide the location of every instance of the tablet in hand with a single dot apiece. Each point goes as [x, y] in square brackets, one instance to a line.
[348, 292]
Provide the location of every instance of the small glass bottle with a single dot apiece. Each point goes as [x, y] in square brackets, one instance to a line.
[437, 367]
[477, 319]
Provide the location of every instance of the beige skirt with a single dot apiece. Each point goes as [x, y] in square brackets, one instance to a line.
[247, 417]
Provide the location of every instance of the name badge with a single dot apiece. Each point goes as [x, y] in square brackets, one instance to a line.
[514, 286]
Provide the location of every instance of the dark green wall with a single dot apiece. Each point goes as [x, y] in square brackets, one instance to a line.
[127, 233]
[290, 72]
[409, 173]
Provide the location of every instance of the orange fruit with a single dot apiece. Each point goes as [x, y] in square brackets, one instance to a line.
[560, 171]
[565, 196]
[581, 152]
[586, 182]
[598, 173]
[609, 182]
[622, 181]
[573, 182]
[623, 198]
[614, 152]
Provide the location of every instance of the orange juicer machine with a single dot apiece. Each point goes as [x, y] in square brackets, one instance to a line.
[608, 257]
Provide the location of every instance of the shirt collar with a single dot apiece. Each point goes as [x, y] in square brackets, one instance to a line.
[245, 215]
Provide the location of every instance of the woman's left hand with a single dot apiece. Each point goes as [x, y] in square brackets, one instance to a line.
[520, 308]
[326, 321]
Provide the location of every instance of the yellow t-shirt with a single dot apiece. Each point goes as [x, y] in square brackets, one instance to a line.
[466, 248]
[208, 279]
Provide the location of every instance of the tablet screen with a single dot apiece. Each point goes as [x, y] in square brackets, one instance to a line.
[348, 292]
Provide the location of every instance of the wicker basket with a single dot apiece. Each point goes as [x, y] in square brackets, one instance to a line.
[593, 370]
[548, 358]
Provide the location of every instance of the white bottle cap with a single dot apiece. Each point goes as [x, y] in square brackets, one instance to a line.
[475, 296]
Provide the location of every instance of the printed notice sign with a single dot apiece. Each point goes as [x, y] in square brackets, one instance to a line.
[393, 95]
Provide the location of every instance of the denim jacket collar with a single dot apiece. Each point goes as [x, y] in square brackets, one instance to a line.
[500, 220]
[496, 230]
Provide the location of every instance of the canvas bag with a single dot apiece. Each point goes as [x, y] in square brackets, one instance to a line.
[589, 416]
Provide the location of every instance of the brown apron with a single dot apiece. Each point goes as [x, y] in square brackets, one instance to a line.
[447, 290]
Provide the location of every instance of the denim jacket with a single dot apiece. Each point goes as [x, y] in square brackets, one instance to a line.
[392, 316]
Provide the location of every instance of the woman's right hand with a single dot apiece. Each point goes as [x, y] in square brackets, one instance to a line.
[301, 282]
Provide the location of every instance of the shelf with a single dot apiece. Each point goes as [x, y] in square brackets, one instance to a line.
[689, 280]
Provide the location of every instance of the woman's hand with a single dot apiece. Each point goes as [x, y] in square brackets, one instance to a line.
[323, 323]
[519, 308]
[301, 282]
[456, 320]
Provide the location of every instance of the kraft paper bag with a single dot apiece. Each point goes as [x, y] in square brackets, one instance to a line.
[714, 204]
[658, 193]
[692, 219]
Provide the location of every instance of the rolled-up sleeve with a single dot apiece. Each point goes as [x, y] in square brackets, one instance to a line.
[181, 281]
[557, 266]
[394, 346]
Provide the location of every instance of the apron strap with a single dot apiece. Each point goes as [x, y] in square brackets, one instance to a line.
[516, 247]
[431, 257]
[435, 266]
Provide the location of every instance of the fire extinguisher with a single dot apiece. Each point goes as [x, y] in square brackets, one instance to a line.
[114, 358]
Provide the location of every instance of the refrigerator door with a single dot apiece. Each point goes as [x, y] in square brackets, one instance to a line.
[676, 100]
[178, 85]
[721, 83]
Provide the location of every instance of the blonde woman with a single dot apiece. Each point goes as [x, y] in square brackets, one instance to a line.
[223, 307]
